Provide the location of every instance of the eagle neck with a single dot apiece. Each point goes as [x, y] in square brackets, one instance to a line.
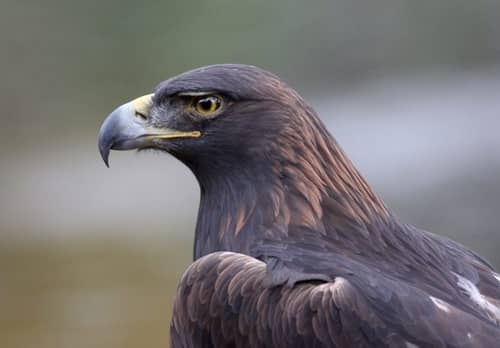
[231, 205]
[317, 196]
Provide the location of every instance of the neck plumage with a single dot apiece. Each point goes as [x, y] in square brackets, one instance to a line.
[305, 186]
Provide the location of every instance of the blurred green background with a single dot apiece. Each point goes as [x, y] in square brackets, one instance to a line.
[90, 257]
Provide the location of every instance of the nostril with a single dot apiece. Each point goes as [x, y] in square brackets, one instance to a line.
[141, 116]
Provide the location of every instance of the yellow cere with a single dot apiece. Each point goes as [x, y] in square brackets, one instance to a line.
[142, 104]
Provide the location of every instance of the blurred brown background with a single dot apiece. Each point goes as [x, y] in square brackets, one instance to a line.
[90, 257]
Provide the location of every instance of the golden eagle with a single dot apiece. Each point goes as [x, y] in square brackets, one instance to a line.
[292, 247]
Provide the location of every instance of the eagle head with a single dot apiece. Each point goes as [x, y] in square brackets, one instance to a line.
[220, 117]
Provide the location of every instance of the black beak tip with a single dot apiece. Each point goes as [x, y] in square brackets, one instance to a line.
[106, 138]
[106, 162]
[104, 150]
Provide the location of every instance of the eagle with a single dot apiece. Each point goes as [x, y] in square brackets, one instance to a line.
[292, 247]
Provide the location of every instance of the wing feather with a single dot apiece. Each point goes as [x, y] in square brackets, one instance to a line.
[225, 300]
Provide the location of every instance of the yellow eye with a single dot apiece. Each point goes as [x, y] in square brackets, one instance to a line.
[207, 105]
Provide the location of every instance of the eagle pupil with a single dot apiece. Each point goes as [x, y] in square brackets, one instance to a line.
[207, 104]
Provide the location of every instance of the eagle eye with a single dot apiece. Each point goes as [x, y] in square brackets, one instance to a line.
[207, 105]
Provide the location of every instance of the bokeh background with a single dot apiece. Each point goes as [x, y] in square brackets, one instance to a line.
[90, 257]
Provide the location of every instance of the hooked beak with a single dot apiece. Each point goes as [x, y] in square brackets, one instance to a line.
[127, 128]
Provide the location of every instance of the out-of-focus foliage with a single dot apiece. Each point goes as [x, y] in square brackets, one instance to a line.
[88, 293]
[91, 257]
